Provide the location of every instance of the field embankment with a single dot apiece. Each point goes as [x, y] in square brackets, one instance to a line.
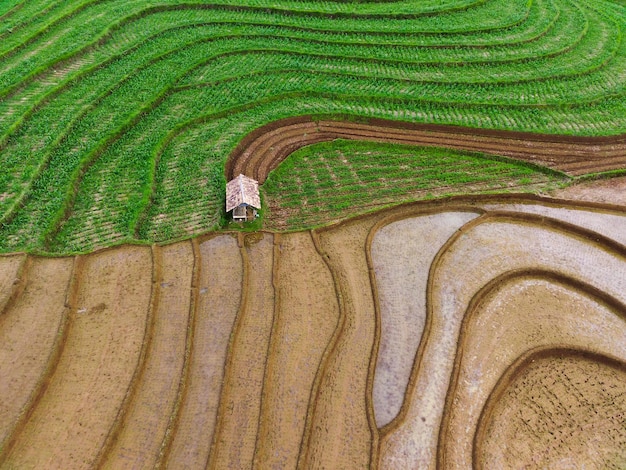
[435, 323]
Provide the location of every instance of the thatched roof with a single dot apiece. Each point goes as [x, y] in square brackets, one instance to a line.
[242, 190]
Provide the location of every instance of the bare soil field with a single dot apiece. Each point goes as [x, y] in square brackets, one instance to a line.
[154, 396]
[423, 336]
[216, 291]
[240, 401]
[263, 150]
[580, 426]
[306, 317]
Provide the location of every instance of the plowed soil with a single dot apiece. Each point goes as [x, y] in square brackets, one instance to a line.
[219, 275]
[560, 410]
[343, 384]
[398, 339]
[87, 390]
[306, 317]
[264, 149]
[521, 314]
[154, 397]
[29, 331]
[240, 401]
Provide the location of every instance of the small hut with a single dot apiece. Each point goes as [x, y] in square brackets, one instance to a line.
[242, 197]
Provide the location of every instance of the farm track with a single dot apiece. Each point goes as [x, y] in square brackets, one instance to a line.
[277, 350]
[266, 148]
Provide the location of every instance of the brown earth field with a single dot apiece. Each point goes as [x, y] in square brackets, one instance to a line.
[471, 332]
[263, 149]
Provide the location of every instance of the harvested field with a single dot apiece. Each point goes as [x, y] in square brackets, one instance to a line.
[486, 249]
[559, 409]
[236, 432]
[609, 223]
[306, 317]
[397, 339]
[218, 287]
[89, 386]
[146, 420]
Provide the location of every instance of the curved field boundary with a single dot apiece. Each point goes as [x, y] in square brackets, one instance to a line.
[306, 314]
[13, 278]
[343, 380]
[145, 422]
[450, 436]
[57, 346]
[265, 148]
[420, 372]
[518, 368]
[235, 435]
[89, 387]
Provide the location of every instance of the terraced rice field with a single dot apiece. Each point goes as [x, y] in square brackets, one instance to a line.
[467, 330]
[118, 118]
[484, 332]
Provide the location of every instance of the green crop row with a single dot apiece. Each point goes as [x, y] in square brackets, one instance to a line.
[398, 174]
[117, 117]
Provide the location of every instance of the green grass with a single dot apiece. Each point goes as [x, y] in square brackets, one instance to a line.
[117, 116]
[331, 181]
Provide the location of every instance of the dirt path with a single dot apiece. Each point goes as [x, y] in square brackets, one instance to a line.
[240, 403]
[518, 315]
[72, 420]
[146, 421]
[341, 431]
[28, 333]
[219, 294]
[306, 318]
[263, 149]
